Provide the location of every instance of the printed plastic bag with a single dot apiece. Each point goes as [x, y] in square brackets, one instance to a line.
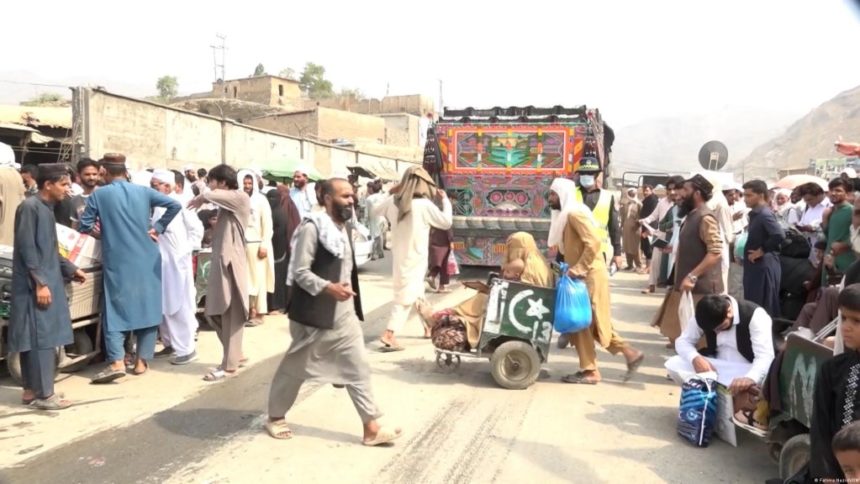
[697, 412]
[453, 267]
[686, 310]
[572, 304]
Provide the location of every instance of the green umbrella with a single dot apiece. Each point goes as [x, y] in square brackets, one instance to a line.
[284, 168]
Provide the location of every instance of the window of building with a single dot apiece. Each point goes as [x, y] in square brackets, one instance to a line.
[280, 89]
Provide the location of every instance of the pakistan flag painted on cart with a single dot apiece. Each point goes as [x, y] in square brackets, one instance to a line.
[520, 311]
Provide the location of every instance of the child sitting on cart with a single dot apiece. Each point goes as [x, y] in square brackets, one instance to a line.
[522, 262]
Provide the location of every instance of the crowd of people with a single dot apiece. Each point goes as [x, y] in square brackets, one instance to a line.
[278, 248]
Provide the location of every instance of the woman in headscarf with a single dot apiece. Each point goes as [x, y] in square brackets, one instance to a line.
[572, 230]
[522, 262]
[285, 221]
[258, 247]
[411, 211]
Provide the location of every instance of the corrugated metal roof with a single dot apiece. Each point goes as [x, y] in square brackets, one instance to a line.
[37, 116]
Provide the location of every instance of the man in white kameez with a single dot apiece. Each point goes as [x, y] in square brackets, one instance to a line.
[663, 206]
[303, 192]
[258, 246]
[723, 212]
[179, 296]
[411, 210]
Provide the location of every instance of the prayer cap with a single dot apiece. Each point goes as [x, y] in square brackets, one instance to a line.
[701, 182]
[164, 176]
[113, 159]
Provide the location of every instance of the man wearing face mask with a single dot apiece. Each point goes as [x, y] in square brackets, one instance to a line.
[602, 205]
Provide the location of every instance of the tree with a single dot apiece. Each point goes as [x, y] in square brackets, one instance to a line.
[259, 70]
[354, 94]
[168, 87]
[314, 83]
[288, 73]
[47, 99]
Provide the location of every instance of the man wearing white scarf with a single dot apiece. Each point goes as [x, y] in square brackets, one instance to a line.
[179, 296]
[258, 235]
[573, 232]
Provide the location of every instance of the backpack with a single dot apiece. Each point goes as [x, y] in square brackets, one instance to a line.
[795, 245]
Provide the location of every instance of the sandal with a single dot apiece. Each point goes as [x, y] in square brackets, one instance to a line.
[138, 373]
[383, 436]
[580, 378]
[54, 402]
[746, 420]
[648, 290]
[633, 366]
[278, 429]
[107, 375]
[28, 401]
[253, 322]
[217, 375]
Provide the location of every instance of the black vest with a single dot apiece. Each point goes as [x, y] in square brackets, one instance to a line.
[318, 311]
[742, 333]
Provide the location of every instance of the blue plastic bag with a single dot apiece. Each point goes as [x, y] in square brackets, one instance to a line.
[697, 413]
[572, 304]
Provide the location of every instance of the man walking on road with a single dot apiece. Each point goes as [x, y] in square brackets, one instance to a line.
[39, 320]
[325, 314]
[573, 230]
[602, 205]
[227, 291]
[412, 212]
[131, 263]
[179, 296]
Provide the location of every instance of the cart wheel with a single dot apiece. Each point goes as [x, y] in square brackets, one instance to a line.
[13, 364]
[447, 362]
[515, 365]
[794, 455]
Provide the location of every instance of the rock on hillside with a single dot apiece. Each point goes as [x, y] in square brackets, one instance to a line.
[809, 138]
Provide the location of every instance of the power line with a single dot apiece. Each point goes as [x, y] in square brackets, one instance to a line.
[32, 83]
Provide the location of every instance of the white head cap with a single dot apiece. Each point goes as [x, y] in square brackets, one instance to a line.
[164, 176]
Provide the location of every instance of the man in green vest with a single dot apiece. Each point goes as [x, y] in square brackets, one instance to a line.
[602, 205]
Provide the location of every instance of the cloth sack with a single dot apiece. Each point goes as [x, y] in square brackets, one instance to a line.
[697, 412]
[453, 267]
[449, 334]
[687, 309]
[572, 304]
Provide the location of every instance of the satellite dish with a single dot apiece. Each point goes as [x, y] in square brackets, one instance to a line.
[713, 155]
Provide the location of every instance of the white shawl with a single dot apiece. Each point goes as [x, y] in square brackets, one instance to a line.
[331, 237]
[566, 191]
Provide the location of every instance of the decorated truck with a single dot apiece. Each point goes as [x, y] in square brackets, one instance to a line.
[497, 165]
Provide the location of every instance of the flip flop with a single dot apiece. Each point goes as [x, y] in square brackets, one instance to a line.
[633, 367]
[28, 401]
[107, 375]
[384, 436]
[278, 429]
[138, 373]
[390, 349]
[579, 378]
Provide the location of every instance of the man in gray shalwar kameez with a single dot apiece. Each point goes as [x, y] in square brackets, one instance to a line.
[325, 312]
[39, 320]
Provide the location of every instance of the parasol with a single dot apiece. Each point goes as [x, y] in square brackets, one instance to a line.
[793, 181]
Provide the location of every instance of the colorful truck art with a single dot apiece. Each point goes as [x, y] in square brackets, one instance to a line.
[497, 166]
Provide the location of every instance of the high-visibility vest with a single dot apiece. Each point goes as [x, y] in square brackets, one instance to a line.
[601, 216]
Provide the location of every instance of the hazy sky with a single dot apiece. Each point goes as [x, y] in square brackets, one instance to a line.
[632, 59]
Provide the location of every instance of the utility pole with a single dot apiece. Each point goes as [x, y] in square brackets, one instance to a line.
[222, 46]
[441, 100]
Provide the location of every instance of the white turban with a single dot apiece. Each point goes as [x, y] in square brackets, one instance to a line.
[164, 176]
[566, 191]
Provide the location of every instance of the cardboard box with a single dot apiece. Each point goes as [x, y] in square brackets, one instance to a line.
[82, 250]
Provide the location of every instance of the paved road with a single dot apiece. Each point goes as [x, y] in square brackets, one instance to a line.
[459, 427]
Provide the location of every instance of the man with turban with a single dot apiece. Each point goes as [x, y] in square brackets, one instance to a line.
[411, 210]
[574, 231]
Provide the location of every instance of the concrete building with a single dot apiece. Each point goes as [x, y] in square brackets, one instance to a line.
[268, 90]
[325, 124]
[401, 129]
[415, 104]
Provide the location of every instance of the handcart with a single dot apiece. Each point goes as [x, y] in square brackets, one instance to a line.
[515, 334]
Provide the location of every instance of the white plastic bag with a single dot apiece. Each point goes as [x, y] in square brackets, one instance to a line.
[686, 310]
[453, 267]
